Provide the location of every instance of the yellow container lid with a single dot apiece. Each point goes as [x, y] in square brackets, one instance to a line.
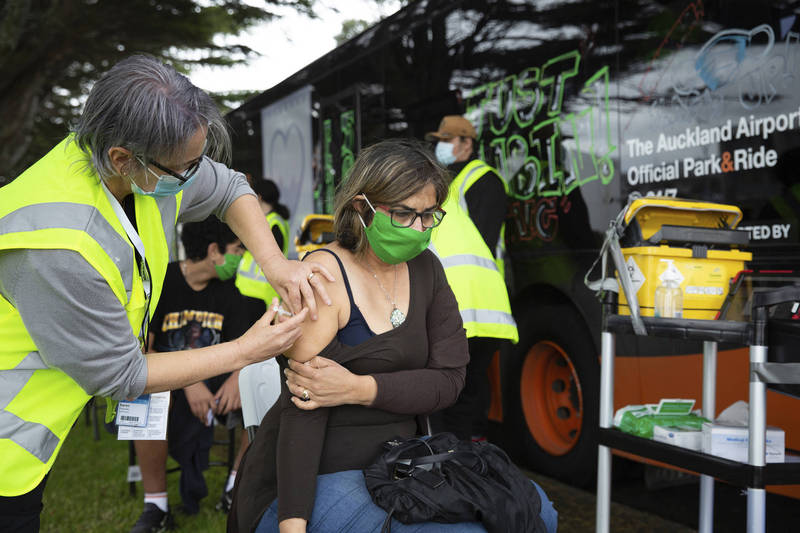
[670, 251]
[315, 232]
[652, 212]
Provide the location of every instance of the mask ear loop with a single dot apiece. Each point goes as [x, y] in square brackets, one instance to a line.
[370, 206]
[147, 170]
[368, 202]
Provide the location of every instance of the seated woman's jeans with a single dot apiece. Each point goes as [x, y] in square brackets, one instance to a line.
[343, 504]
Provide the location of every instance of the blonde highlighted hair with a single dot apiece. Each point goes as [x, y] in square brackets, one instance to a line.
[387, 173]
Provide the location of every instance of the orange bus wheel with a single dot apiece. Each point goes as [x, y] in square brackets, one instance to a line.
[550, 392]
[551, 396]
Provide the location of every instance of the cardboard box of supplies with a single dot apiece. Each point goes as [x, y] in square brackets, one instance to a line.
[731, 442]
[689, 438]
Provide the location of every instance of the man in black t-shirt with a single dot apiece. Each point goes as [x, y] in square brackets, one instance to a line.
[199, 306]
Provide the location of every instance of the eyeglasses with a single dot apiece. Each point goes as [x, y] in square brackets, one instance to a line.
[405, 218]
[183, 177]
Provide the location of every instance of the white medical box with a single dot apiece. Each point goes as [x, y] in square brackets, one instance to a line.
[691, 439]
[731, 442]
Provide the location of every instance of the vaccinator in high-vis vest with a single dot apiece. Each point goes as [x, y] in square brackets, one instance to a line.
[85, 237]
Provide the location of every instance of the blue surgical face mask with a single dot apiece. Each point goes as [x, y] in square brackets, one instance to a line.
[162, 189]
[444, 153]
[167, 185]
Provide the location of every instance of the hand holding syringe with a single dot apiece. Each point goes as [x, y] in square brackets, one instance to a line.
[283, 312]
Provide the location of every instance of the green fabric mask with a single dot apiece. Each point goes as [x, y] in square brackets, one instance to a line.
[227, 270]
[391, 244]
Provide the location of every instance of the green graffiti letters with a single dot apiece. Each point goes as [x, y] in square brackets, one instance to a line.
[330, 172]
[346, 139]
[555, 73]
[347, 121]
[540, 150]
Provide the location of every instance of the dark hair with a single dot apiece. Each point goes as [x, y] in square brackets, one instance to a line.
[269, 192]
[387, 172]
[196, 236]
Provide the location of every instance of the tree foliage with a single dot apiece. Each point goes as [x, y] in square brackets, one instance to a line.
[51, 51]
[352, 27]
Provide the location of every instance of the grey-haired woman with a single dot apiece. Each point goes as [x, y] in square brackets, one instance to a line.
[85, 237]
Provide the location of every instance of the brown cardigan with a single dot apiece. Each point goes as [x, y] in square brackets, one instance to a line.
[419, 368]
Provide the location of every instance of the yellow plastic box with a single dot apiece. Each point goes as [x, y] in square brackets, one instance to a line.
[706, 272]
[315, 232]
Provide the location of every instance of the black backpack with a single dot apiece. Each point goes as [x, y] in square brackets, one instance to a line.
[443, 479]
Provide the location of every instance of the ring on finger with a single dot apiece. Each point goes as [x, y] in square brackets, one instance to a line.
[306, 396]
[310, 276]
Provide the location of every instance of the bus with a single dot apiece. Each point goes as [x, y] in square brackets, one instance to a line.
[580, 105]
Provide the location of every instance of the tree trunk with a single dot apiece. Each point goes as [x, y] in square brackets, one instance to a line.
[34, 40]
[18, 107]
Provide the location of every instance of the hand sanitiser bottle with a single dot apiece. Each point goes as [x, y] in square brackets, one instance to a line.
[669, 297]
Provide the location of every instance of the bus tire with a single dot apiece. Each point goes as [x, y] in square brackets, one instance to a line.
[551, 393]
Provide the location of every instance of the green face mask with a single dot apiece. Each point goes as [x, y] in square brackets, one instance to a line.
[391, 244]
[227, 270]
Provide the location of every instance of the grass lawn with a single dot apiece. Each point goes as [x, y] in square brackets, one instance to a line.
[87, 490]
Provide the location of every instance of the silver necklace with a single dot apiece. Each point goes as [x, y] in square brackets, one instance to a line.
[396, 317]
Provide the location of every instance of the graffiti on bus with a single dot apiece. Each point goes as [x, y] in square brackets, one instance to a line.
[346, 140]
[736, 69]
[543, 151]
[689, 20]
[347, 122]
[536, 218]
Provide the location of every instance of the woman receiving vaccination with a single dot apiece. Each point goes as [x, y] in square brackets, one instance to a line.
[392, 345]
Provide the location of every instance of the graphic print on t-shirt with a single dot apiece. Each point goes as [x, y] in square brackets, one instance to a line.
[189, 329]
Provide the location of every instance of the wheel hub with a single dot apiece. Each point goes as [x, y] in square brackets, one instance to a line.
[551, 397]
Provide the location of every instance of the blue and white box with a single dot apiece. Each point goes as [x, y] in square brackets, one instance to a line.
[732, 442]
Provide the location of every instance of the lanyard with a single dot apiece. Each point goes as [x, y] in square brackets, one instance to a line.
[133, 236]
[144, 270]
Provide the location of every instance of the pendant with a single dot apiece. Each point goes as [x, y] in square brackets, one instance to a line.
[397, 317]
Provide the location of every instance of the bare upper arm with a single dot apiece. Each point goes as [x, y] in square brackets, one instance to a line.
[317, 334]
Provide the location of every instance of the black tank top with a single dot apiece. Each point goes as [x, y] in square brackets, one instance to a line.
[356, 330]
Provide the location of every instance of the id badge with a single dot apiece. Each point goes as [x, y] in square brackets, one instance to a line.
[134, 412]
[144, 418]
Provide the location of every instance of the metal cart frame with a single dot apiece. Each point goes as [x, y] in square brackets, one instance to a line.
[753, 475]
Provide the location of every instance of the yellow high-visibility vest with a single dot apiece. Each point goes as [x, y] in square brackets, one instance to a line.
[250, 280]
[59, 203]
[471, 173]
[470, 267]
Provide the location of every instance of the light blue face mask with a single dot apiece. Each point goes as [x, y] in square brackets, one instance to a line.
[167, 185]
[444, 153]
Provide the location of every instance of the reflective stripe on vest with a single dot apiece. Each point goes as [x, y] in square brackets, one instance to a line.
[251, 271]
[467, 259]
[487, 316]
[169, 221]
[63, 215]
[35, 438]
[274, 219]
[475, 171]
[471, 271]
[58, 203]
[250, 280]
